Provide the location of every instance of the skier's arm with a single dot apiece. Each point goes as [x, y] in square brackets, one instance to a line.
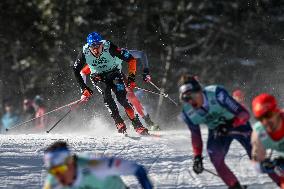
[258, 151]
[124, 55]
[114, 166]
[84, 72]
[142, 56]
[196, 139]
[145, 66]
[77, 67]
[225, 100]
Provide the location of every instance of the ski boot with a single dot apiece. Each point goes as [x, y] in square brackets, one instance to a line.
[121, 127]
[139, 128]
[151, 125]
[238, 186]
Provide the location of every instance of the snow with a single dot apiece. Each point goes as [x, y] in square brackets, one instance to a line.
[167, 158]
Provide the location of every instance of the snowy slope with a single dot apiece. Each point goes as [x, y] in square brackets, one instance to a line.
[168, 158]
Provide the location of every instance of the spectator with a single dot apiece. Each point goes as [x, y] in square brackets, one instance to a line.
[9, 118]
[39, 106]
[28, 109]
[239, 96]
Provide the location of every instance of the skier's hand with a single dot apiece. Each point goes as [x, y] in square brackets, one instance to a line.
[267, 166]
[222, 130]
[198, 164]
[131, 81]
[86, 94]
[279, 167]
[146, 75]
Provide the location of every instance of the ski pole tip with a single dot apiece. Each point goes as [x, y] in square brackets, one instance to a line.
[6, 129]
[47, 131]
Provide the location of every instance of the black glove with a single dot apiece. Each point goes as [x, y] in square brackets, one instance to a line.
[198, 164]
[273, 166]
[279, 168]
[223, 129]
[267, 166]
[146, 75]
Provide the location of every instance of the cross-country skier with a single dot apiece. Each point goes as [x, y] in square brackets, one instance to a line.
[102, 57]
[139, 55]
[268, 133]
[225, 118]
[74, 171]
[239, 96]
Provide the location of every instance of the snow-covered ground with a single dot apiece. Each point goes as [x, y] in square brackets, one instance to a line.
[167, 158]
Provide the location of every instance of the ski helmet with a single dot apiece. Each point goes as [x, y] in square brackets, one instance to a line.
[38, 100]
[94, 38]
[191, 85]
[56, 154]
[264, 103]
[238, 93]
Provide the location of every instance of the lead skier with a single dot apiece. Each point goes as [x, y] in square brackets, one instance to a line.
[101, 56]
[132, 98]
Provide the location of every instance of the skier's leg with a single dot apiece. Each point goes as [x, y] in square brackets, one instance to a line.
[118, 88]
[217, 148]
[111, 105]
[139, 108]
[278, 180]
[135, 102]
[245, 141]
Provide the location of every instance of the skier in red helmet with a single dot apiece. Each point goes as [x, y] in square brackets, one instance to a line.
[268, 133]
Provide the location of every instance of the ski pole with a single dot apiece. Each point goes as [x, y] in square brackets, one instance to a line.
[211, 172]
[155, 86]
[146, 90]
[160, 93]
[59, 108]
[64, 116]
[164, 94]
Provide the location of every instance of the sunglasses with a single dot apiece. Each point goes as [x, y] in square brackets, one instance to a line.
[95, 45]
[60, 169]
[267, 115]
[188, 96]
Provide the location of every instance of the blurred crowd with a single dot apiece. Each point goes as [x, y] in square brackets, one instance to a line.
[13, 117]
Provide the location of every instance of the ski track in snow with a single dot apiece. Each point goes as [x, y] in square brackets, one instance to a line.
[168, 159]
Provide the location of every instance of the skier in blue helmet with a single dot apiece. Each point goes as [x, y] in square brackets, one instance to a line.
[105, 59]
[94, 39]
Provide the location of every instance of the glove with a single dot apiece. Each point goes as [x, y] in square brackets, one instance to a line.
[273, 166]
[198, 164]
[86, 94]
[267, 166]
[131, 81]
[223, 129]
[146, 75]
[279, 167]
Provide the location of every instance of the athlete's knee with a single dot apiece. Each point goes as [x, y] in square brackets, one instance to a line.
[217, 158]
[121, 98]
